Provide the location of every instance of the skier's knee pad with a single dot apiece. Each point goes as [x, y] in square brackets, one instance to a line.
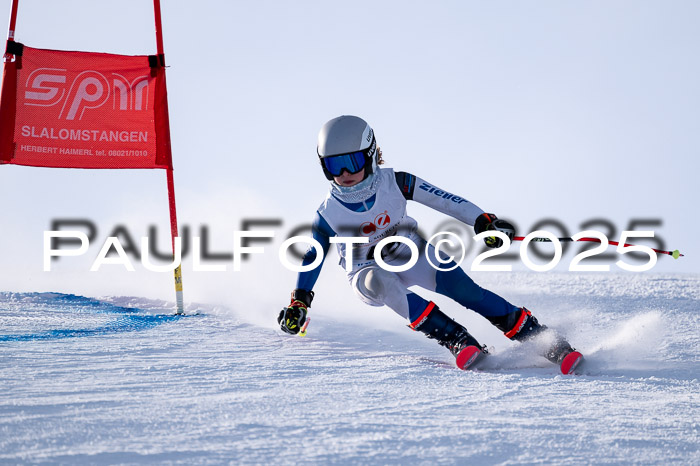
[378, 285]
[519, 325]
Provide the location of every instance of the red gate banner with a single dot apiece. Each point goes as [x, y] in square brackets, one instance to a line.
[84, 110]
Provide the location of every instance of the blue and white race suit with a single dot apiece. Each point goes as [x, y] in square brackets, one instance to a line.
[382, 215]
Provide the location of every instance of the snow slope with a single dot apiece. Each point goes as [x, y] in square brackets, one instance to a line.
[118, 380]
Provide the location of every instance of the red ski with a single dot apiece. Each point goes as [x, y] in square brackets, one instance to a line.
[570, 361]
[468, 356]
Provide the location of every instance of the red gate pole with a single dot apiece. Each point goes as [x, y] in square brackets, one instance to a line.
[11, 32]
[169, 171]
[13, 20]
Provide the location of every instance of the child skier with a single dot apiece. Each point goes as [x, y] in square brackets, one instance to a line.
[368, 201]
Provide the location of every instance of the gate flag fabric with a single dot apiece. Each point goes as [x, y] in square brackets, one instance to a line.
[88, 110]
[84, 110]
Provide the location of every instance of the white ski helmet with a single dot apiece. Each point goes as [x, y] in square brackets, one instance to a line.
[347, 143]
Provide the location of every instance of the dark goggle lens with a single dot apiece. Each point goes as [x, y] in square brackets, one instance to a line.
[352, 163]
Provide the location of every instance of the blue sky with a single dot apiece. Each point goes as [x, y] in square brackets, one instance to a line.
[532, 110]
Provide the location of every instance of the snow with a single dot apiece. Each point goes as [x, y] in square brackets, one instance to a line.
[119, 380]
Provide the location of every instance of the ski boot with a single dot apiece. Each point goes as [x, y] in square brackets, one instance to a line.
[450, 334]
[521, 325]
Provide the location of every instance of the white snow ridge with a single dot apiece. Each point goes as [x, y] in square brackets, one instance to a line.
[121, 381]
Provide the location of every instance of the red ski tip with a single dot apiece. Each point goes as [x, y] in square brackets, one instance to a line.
[467, 357]
[570, 361]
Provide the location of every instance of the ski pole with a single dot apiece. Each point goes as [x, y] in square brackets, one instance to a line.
[302, 332]
[675, 253]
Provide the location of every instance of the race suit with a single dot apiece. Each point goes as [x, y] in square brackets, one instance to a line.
[383, 215]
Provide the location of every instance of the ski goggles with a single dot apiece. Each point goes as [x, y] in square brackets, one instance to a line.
[352, 163]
